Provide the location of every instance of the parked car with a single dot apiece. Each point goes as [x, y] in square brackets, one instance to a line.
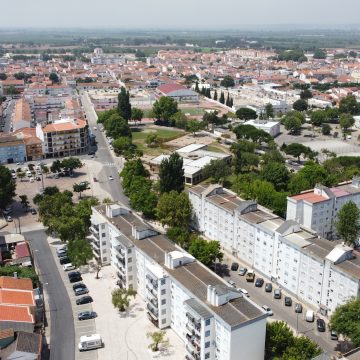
[81, 291]
[86, 315]
[320, 324]
[298, 308]
[68, 267]
[234, 266]
[61, 253]
[244, 291]
[268, 310]
[242, 271]
[333, 335]
[309, 316]
[231, 283]
[64, 260]
[259, 282]
[288, 301]
[9, 218]
[78, 286]
[84, 300]
[111, 178]
[277, 294]
[33, 211]
[268, 287]
[250, 276]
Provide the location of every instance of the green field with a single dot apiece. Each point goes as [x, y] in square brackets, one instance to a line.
[193, 111]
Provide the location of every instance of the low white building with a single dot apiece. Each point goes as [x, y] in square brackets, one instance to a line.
[281, 250]
[317, 209]
[214, 320]
[271, 127]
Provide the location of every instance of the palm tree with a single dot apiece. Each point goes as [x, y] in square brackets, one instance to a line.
[45, 170]
[120, 298]
[157, 337]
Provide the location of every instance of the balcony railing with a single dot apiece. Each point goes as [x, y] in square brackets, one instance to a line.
[152, 282]
[192, 354]
[120, 259]
[151, 291]
[153, 311]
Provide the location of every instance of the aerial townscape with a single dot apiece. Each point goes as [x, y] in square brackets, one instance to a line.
[176, 184]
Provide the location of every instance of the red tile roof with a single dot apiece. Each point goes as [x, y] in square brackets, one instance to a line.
[17, 297]
[16, 314]
[8, 282]
[310, 197]
[22, 250]
[168, 88]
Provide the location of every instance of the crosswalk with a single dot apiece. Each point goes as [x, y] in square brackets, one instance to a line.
[111, 164]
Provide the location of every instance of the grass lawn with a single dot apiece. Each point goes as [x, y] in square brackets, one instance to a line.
[193, 111]
[215, 147]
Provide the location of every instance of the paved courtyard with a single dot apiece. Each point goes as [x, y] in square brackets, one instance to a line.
[124, 335]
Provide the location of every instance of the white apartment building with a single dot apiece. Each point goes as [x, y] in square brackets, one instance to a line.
[281, 250]
[317, 209]
[214, 320]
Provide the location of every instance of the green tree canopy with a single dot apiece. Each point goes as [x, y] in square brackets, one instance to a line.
[305, 94]
[164, 108]
[124, 106]
[121, 298]
[217, 170]
[346, 121]
[317, 117]
[227, 81]
[319, 54]
[81, 187]
[194, 126]
[79, 252]
[326, 129]
[54, 78]
[278, 338]
[293, 121]
[348, 223]
[277, 174]
[269, 111]
[205, 251]
[7, 187]
[297, 150]
[300, 105]
[116, 126]
[349, 105]
[171, 174]
[246, 113]
[137, 114]
[174, 209]
[123, 146]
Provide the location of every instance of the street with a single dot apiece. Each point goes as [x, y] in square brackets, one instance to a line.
[7, 118]
[103, 156]
[62, 338]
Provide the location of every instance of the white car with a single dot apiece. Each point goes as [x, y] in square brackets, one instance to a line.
[111, 178]
[9, 219]
[31, 179]
[68, 267]
[244, 291]
[268, 310]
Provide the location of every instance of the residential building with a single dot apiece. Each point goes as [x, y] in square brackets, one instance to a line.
[22, 115]
[12, 149]
[271, 127]
[65, 137]
[214, 320]
[6, 85]
[178, 92]
[317, 209]
[33, 145]
[195, 158]
[281, 250]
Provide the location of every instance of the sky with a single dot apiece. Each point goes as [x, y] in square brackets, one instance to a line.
[177, 14]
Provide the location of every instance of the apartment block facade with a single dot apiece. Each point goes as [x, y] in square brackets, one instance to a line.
[317, 209]
[214, 320]
[310, 267]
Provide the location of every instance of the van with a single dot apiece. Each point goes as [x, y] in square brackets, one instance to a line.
[250, 276]
[277, 294]
[310, 316]
[90, 342]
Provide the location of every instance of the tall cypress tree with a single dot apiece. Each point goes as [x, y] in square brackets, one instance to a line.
[197, 87]
[222, 98]
[208, 94]
[227, 100]
[203, 90]
[171, 174]
[215, 95]
[124, 106]
[231, 102]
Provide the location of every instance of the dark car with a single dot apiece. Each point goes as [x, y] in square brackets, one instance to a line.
[288, 301]
[242, 271]
[86, 315]
[61, 253]
[333, 335]
[234, 266]
[64, 260]
[268, 287]
[259, 282]
[81, 291]
[78, 286]
[75, 279]
[298, 308]
[33, 211]
[74, 274]
[84, 300]
[320, 324]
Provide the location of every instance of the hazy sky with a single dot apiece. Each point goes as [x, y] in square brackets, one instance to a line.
[160, 14]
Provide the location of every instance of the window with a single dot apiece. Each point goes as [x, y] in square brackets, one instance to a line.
[163, 321]
[130, 268]
[104, 251]
[163, 291]
[103, 234]
[129, 260]
[103, 243]
[207, 356]
[207, 322]
[207, 333]
[130, 277]
[162, 281]
[163, 301]
[129, 251]
[207, 344]
[104, 258]
[163, 311]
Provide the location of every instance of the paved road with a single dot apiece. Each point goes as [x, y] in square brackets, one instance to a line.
[282, 312]
[62, 338]
[105, 157]
[7, 118]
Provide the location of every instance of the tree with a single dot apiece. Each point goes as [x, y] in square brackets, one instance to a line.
[317, 117]
[269, 110]
[193, 126]
[205, 251]
[71, 163]
[54, 78]
[79, 188]
[79, 252]
[227, 81]
[278, 338]
[326, 129]
[124, 106]
[222, 98]
[121, 298]
[21, 175]
[244, 158]
[158, 339]
[346, 121]
[348, 223]
[3, 76]
[273, 156]
[277, 174]
[297, 150]
[300, 105]
[306, 94]
[45, 170]
[137, 114]
[24, 201]
[197, 87]
[55, 166]
[180, 236]
[217, 170]
[132, 168]
[179, 120]
[246, 131]
[123, 145]
[349, 105]
[152, 139]
[319, 54]
[116, 126]
[7, 187]
[246, 114]
[345, 320]
[215, 95]
[164, 108]
[171, 174]
[293, 124]
[174, 209]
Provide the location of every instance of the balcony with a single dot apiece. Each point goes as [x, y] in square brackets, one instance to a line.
[151, 291]
[94, 229]
[120, 251]
[154, 284]
[153, 301]
[155, 321]
[191, 354]
[120, 268]
[120, 259]
[152, 311]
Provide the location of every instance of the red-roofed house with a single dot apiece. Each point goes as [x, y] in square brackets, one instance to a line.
[178, 92]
